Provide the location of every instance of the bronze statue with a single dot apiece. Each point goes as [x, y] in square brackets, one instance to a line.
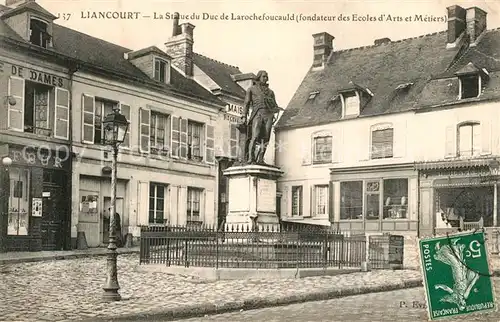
[256, 129]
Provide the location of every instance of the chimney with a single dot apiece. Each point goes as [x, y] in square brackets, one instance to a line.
[456, 22]
[180, 46]
[476, 23]
[382, 41]
[323, 46]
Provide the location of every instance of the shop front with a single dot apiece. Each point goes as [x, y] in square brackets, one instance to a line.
[37, 198]
[375, 199]
[458, 195]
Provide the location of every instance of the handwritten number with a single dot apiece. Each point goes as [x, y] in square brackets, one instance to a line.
[64, 16]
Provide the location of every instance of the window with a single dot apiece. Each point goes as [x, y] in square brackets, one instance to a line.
[297, 201]
[322, 149]
[469, 139]
[157, 203]
[470, 86]
[382, 143]
[193, 204]
[161, 71]
[372, 200]
[351, 103]
[102, 108]
[39, 35]
[395, 198]
[351, 200]
[36, 109]
[234, 141]
[159, 137]
[18, 218]
[194, 141]
[321, 200]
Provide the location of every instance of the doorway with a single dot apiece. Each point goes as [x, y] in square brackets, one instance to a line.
[54, 211]
[106, 218]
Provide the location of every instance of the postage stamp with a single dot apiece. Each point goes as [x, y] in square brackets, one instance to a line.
[456, 275]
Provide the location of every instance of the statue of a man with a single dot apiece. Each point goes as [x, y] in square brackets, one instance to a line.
[259, 125]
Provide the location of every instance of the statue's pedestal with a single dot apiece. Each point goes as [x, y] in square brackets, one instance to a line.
[252, 197]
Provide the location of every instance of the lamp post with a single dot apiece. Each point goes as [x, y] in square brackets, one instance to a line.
[115, 128]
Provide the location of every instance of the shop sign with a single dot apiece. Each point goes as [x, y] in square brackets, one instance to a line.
[32, 75]
[42, 156]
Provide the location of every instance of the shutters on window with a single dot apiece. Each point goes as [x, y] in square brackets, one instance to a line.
[88, 118]
[16, 112]
[210, 144]
[144, 129]
[125, 110]
[61, 124]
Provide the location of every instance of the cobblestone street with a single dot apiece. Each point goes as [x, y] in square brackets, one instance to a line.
[375, 307]
[72, 289]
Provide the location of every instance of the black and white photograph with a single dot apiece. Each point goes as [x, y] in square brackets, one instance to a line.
[265, 160]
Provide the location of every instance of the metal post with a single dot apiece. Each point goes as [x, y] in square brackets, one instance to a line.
[111, 287]
[495, 204]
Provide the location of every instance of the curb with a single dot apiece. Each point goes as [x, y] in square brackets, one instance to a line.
[193, 311]
[62, 257]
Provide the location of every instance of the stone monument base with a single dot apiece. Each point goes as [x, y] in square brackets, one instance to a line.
[252, 198]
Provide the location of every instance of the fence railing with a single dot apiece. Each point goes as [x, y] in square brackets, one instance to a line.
[243, 248]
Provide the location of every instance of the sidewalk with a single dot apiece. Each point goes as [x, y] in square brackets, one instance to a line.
[72, 290]
[26, 257]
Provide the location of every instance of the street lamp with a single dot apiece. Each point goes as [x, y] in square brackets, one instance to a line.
[115, 129]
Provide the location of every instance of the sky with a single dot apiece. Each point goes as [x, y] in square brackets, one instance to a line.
[283, 48]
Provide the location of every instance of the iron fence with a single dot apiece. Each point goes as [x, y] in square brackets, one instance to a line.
[239, 247]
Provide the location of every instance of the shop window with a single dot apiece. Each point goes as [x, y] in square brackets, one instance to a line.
[382, 141]
[469, 139]
[297, 201]
[395, 198]
[162, 71]
[194, 204]
[194, 151]
[372, 193]
[18, 217]
[39, 35]
[159, 133]
[322, 149]
[320, 200]
[157, 194]
[470, 86]
[351, 200]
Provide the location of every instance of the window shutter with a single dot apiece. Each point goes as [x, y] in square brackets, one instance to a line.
[175, 137]
[233, 139]
[312, 204]
[125, 110]
[485, 138]
[143, 203]
[144, 129]
[209, 144]
[450, 141]
[16, 112]
[284, 203]
[331, 198]
[336, 145]
[209, 217]
[61, 123]
[183, 131]
[399, 139]
[88, 118]
[307, 149]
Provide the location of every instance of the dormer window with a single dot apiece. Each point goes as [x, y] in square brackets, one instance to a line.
[39, 35]
[350, 101]
[313, 95]
[470, 86]
[162, 71]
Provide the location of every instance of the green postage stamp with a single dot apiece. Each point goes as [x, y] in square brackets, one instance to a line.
[456, 275]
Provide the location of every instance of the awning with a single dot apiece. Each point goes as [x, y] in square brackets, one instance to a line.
[455, 164]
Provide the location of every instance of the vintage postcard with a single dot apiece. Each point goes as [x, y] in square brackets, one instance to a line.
[267, 160]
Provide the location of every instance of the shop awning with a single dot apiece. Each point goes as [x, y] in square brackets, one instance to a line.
[455, 163]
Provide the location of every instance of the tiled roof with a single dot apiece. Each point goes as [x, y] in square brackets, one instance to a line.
[220, 73]
[110, 57]
[380, 69]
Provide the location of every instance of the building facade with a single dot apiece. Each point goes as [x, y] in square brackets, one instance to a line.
[34, 134]
[396, 145]
[56, 96]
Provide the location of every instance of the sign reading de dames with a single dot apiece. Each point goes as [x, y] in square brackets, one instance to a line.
[456, 275]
